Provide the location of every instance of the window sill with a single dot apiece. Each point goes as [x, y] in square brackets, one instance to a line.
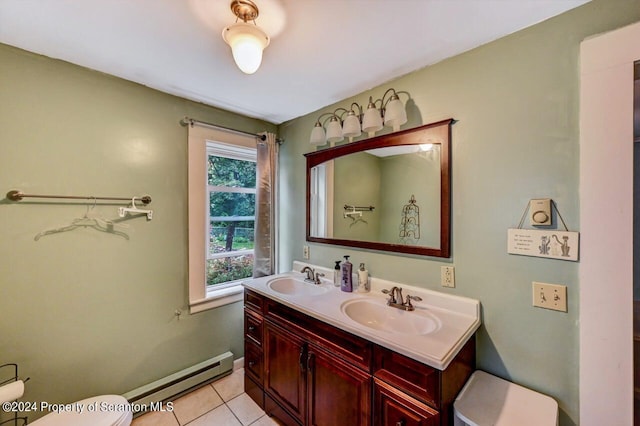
[216, 298]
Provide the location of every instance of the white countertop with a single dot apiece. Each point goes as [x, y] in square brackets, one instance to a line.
[458, 317]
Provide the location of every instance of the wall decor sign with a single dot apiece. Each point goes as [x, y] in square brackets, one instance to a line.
[551, 244]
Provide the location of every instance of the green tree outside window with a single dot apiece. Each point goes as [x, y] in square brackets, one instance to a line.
[233, 197]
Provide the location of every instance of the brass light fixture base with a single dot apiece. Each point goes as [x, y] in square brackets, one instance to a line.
[245, 10]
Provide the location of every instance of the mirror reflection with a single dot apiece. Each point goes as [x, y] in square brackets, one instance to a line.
[389, 195]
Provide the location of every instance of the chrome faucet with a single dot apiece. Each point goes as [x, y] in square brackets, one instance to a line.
[397, 301]
[310, 273]
[312, 276]
[399, 298]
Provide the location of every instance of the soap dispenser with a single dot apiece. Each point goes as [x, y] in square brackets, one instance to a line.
[363, 279]
[337, 274]
[346, 280]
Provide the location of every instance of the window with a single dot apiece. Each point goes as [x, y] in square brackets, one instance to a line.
[222, 182]
[231, 190]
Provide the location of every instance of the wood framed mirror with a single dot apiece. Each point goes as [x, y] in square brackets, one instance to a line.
[389, 193]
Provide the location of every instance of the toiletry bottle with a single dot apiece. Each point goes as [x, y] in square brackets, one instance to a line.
[346, 280]
[336, 274]
[363, 279]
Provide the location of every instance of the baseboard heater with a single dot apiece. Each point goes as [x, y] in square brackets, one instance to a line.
[180, 382]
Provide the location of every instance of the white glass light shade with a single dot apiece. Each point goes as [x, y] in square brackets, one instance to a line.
[247, 42]
[395, 115]
[318, 136]
[372, 120]
[351, 126]
[334, 130]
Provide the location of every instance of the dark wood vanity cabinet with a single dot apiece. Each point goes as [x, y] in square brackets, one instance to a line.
[313, 385]
[285, 367]
[303, 371]
[420, 385]
[393, 407]
[337, 392]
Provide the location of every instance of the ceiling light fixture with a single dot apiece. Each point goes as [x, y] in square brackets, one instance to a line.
[247, 41]
[391, 113]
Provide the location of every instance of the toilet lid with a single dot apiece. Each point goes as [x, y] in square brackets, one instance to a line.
[103, 410]
[490, 400]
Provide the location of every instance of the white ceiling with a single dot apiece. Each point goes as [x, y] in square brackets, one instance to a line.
[321, 51]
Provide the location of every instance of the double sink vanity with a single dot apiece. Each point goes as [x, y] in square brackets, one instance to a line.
[315, 355]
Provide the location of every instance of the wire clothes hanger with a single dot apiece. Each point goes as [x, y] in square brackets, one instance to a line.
[89, 220]
[354, 215]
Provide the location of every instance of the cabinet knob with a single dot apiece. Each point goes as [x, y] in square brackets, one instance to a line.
[401, 423]
[251, 327]
[252, 363]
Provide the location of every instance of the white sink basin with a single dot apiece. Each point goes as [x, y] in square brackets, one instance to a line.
[295, 287]
[378, 316]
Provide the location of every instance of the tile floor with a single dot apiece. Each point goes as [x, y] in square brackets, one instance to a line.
[221, 403]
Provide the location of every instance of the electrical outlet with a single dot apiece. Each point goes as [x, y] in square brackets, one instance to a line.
[550, 296]
[305, 252]
[447, 276]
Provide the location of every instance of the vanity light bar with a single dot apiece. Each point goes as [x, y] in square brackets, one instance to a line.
[391, 113]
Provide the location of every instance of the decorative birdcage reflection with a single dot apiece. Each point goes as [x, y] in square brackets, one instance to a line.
[410, 224]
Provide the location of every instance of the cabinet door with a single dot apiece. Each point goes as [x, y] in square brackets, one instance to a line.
[285, 369]
[395, 408]
[339, 394]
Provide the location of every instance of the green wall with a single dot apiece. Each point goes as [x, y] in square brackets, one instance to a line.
[84, 312]
[356, 183]
[399, 183]
[516, 102]
[386, 183]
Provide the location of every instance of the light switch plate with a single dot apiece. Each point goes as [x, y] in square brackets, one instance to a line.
[550, 296]
[540, 212]
[305, 252]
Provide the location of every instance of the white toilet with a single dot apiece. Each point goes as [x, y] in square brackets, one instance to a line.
[103, 410]
[488, 400]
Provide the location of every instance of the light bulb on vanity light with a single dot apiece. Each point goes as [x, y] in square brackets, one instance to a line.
[395, 114]
[351, 126]
[334, 130]
[372, 119]
[318, 137]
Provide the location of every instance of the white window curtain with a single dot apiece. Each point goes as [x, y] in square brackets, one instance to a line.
[266, 205]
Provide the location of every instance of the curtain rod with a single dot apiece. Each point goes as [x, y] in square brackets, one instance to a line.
[187, 121]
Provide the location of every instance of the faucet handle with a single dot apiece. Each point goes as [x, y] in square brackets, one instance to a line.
[391, 293]
[410, 298]
[318, 276]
